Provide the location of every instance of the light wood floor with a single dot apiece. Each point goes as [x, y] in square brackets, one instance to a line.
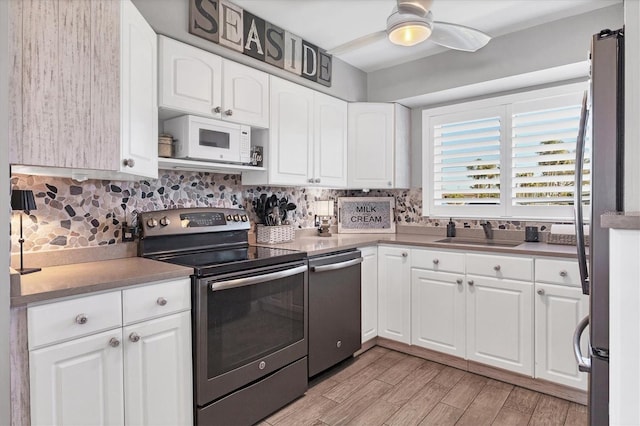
[384, 387]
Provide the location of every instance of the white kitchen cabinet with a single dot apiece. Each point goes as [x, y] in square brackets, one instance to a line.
[559, 306]
[394, 293]
[79, 382]
[139, 374]
[194, 81]
[369, 292]
[379, 146]
[307, 143]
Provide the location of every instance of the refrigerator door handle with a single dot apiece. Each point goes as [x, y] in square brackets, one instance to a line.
[584, 364]
[577, 198]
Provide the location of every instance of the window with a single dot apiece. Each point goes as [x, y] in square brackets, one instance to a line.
[512, 156]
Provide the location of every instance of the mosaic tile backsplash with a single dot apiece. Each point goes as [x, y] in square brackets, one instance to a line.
[72, 214]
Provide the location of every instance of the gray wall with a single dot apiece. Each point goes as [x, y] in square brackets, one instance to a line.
[170, 17]
[632, 106]
[4, 216]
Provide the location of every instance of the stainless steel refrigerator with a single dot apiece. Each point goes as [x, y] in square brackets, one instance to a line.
[606, 177]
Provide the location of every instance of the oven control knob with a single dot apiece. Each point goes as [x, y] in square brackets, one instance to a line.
[152, 223]
[229, 218]
[164, 221]
[262, 365]
[236, 218]
[244, 218]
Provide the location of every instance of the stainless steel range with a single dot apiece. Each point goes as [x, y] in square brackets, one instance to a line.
[249, 312]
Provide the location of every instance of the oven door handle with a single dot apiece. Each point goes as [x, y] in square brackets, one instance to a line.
[334, 266]
[241, 282]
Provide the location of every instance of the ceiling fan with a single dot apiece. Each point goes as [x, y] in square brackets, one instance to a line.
[411, 22]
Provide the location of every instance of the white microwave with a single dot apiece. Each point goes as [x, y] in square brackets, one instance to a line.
[208, 139]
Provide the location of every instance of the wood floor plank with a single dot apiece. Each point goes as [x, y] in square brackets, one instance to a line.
[511, 417]
[442, 415]
[306, 414]
[464, 392]
[356, 403]
[486, 406]
[320, 387]
[549, 411]
[448, 377]
[353, 366]
[522, 400]
[401, 369]
[411, 384]
[340, 392]
[377, 413]
[577, 415]
[419, 406]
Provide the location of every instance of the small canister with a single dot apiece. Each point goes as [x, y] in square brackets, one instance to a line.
[165, 145]
[531, 234]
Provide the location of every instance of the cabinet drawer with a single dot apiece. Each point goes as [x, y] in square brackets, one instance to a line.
[564, 272]
[516, 268]
[155, 300]
[68, 319]
[437, 260]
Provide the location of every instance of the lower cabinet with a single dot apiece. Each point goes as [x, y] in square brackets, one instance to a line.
[369, 292]
[137, 374]
[394, 293]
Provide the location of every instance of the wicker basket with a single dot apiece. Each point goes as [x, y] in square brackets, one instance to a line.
[565, 239]
[275, 234]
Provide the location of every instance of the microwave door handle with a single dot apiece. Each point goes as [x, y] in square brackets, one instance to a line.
[578, 208]
[241, 282]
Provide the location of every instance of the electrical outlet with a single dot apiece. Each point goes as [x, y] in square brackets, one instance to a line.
[128, 232]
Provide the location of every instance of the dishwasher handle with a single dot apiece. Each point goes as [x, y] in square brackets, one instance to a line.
[241, 282]
[336, 266]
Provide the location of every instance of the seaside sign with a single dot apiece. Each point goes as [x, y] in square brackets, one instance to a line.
[228, 25]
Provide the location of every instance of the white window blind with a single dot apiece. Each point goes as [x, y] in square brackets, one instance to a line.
[466, 161]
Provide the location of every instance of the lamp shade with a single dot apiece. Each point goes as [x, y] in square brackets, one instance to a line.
[22, 199]
[324, 207]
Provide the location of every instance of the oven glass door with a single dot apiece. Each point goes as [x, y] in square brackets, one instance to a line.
[254, 324]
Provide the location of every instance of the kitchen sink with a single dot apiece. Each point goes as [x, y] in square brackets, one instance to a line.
[480, 242]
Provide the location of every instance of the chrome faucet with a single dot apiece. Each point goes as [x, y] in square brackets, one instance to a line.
[488, 231]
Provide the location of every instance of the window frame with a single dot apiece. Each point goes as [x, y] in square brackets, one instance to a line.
[503, 104]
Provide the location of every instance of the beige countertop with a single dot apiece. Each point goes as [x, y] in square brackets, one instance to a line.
[620, 220]
[80, 278]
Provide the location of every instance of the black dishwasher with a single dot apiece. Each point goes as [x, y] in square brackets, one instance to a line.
[334, 309]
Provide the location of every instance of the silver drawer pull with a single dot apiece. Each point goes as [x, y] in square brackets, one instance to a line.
[436, 261]
[470, 282]
[496, 268]
[114, 343]
[134, 337]
[540, 292]
[459, 281]
[228, 113]
[563, 273]
[216, 110]
[161, 301]
[405, 254]
[81, 319]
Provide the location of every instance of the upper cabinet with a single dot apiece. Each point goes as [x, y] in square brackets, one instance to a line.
[194, 81]
[379, 143]
[307, 139]
[83, 95]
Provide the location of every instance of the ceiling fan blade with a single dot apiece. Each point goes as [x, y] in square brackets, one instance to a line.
[458, 37]
[357, 43]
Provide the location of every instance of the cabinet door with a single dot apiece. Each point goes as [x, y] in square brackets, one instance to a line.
[330, 141]
[190, 79]
[245, 94]
[78, 382]
[438, 311]
[500, 323]
[158, 384]
[369, 293]
[371, 155]
[139, 106]
[558, 310]
[291, 133]
[394, 293]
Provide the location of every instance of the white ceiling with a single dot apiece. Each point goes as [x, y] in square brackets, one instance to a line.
[330, 23]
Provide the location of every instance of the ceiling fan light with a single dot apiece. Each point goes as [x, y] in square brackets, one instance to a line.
[409, 34]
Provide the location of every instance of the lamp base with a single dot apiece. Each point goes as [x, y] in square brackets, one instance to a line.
[25, 271]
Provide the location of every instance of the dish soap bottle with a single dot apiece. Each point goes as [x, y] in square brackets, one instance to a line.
[451, 228]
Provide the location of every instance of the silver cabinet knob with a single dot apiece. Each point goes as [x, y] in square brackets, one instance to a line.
[540, 292]
[114, 343]
[459, 281]
[81, 319]
[310, 180]
[161, 301]
[228, 113]
[216, 110]
[436, 261]
[405, 254]
[164, 221]
[496, 268]
[470, 282]
[129, 162]
[338, 343]
[134, 337]
[389, 183]
[563, 273]
[316, 180]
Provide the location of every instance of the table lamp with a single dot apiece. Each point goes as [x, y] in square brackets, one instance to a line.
[22, 200]
[324, 210]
